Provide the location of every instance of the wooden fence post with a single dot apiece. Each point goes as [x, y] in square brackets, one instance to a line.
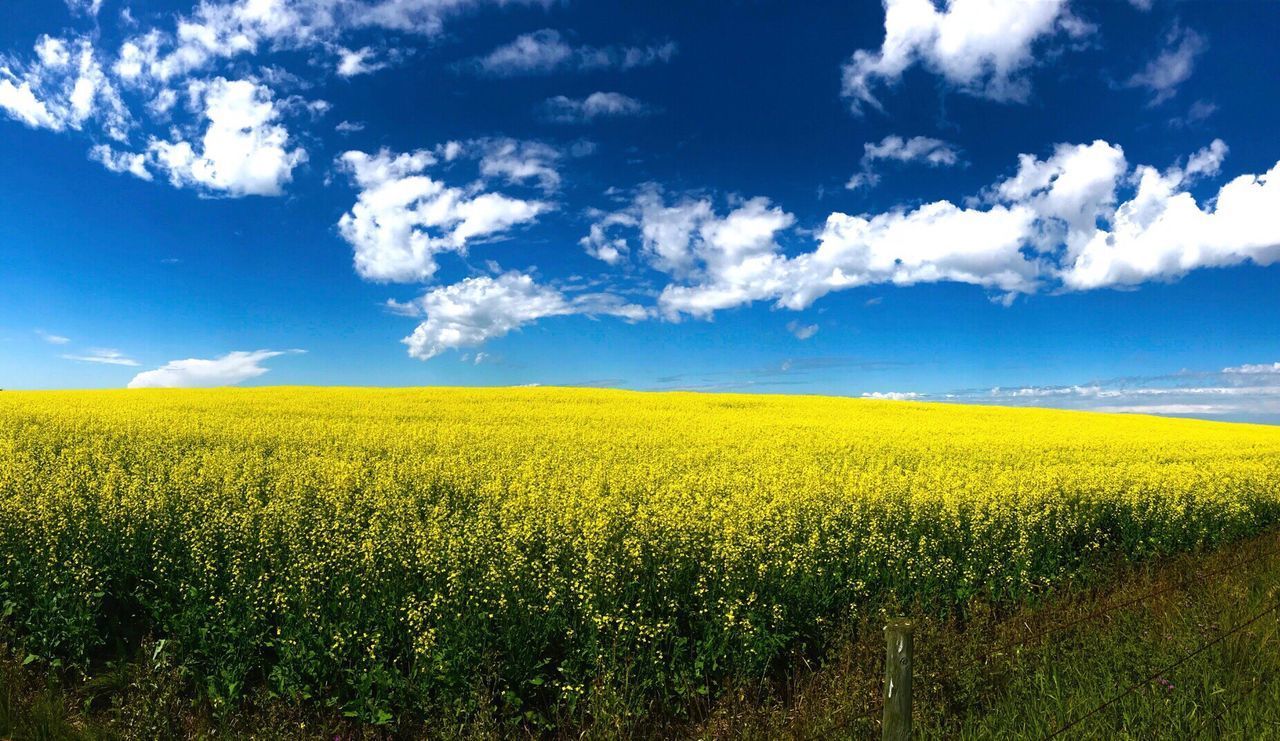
[897, 680]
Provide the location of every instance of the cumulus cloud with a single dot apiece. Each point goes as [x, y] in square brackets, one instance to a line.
[1162, 233]
[979, 47]
[718, 262]
[893, 148]
[562, 109]
[546, 50]
[1172, 67]
[474, 310]
[64, 85]
[403, 218]
[227, 370]
[1068, 192]
[244, 150]
[932, 243]
[1079, 219]
[892, 395]
[104, 356]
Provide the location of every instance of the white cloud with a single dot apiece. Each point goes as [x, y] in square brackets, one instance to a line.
[599, 244]
[544, 51]
[134, 163]
[244, 151]
[719, 262]
[1172, 67]
[62, 88]
[932, 243]
[1162, 233]
[1196, 114]
[540, 51]
[425, 17]
[728, 261]
[1253, 369]
[227, 370]
[516, 162]
[217, 31]
[353, 62]
[924, 149]
[934, 152]
[52, 339]
[21, 104]
[892, 395]
[563, 109]
[472, 311]
[1207, 162]
[403, 218]
[1057, 223]
[214, 31]
[802, 331]
[981, 47]
[1248, 392]
[85, 7]
[105, 356]
[348, 127]
[1068, 192]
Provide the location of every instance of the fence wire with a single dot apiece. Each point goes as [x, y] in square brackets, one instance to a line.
[1162, 672]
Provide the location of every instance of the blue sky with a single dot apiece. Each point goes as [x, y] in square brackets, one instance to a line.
[1059, 203]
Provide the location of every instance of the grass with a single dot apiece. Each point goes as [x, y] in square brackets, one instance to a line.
[966, 690]
[1124, 622]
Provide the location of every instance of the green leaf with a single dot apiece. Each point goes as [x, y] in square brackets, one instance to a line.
[30, 658]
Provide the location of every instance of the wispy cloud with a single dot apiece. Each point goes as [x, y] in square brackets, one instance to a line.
[801, 330]
[921, 149]
[1249, 392]
[789, 372]
[1172, 67]
[103, 355]
[562, 109]
[52, 339]
[546, 50]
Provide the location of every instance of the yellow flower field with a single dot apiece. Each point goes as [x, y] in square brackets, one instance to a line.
[412, 550]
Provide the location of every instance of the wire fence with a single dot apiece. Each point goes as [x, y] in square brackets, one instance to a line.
[1180, 585]
[1166, 670]
[1102, 612]
[1216, 718]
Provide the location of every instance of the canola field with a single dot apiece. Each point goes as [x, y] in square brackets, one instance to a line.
[427, 551]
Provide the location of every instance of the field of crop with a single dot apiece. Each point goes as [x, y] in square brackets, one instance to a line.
[431, 552]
